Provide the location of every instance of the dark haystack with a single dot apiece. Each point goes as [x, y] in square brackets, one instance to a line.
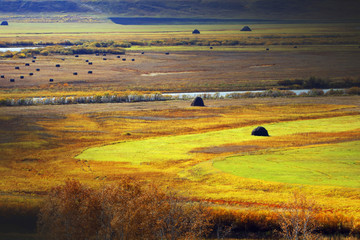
[196, 31]
[51, 80]
[63, 59]
[124, 59]
[30, 74]
[246, 29]
[86, 60]
[133, 60]
[27, 64]
[34, 57]
[267, 49]
[198, 102]
[89, 72]
[33, 61]
[21, 77]
[57, 65]
[75, 73]
[142, 52]
[17, 67]
[260, 131]
[104, 54]
[76, 55]
[167, 53]
[2, 76]
[4, 23]
[211, 47]
[97, 54]
[118, 56]
[295, 46]
[12, 80]
[90, 63]
[38, 69]
[104, 59]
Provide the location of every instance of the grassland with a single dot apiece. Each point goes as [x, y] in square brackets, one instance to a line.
[193, 151]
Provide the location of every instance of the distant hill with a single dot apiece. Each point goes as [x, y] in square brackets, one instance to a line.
[250, 9]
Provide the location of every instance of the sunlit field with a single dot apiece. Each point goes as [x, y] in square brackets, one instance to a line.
[203, 154]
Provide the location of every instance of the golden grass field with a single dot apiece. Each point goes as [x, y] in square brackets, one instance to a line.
[190, 150]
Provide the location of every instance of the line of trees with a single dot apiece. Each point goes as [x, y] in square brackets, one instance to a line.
[133, 97]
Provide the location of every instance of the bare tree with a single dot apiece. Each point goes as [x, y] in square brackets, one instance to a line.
[297, 219]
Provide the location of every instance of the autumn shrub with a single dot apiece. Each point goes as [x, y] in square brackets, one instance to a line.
[127, 210]
[297, 219]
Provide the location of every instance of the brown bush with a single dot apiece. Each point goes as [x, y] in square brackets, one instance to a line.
[126, 210]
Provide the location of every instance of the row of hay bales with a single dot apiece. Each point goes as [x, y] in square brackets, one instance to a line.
[244, 29]
[259, 131]
[58, 66]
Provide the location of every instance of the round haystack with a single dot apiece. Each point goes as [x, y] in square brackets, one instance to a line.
[4, 23]
[198, 102]
[2, 76]
[260, 131]
[246, 29]
[196, 31]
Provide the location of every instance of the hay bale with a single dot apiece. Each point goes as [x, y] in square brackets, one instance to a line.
[295, 46]
[118, 56]
[142, 52]
[57, 65]
[51, 80]
[38, 69]
[124, 59]
[34, 57]
[90, 63]
[104, 54]
[104, 59]
[133, 60]
[260, 131]
[4, 23]
[198, 102]
[267, 49]
[211, 47]
[17, 68]
[63, 59]
[167, 53]
[90, 72]
[21, 77]
[12, 80]
[196, 31]
[76, 55]
[246, 29]
[87, 60]
[27, 64]
[2, 76]
[33, 61]
[75, 73]
[97, 54]
[30, 74]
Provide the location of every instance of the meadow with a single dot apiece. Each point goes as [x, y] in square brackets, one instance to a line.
[204, 154]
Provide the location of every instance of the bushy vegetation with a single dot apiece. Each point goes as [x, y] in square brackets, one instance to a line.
[128, 210]
[316, 82]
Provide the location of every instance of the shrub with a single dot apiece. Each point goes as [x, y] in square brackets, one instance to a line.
[127, 210]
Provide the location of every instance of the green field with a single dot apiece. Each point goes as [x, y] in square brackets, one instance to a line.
[333, 165]
[182, 147]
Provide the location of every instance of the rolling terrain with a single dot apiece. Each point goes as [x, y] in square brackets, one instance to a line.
[243, 9]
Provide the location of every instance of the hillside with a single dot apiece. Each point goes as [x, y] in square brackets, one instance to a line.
[254, 9]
